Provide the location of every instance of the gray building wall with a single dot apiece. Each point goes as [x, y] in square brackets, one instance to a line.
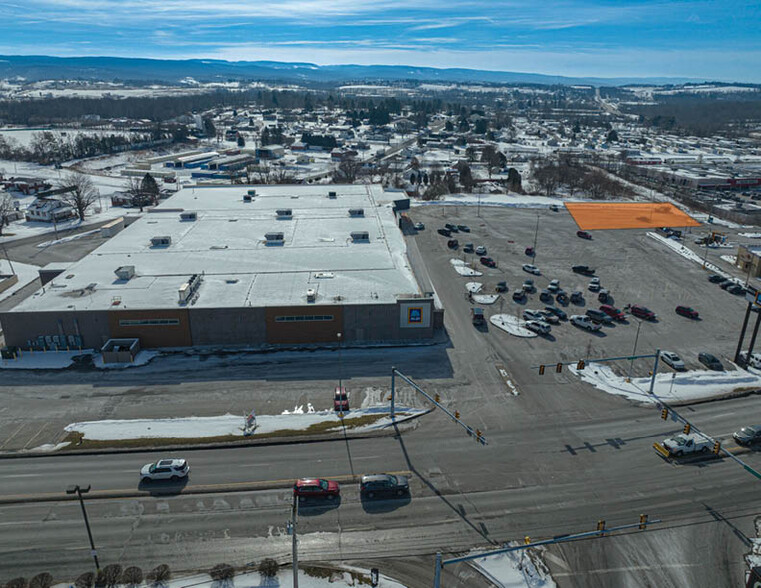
[383, 322]
[228, 326]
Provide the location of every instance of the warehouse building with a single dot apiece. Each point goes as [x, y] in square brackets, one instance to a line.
[239, 265]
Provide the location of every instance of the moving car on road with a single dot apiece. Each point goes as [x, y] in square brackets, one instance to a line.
[710, 361]
[316, 487]
[531, 268]
[687, 311]
[584, 322]
[748, 435]
[672, 359]
[165, 469]
[682, 444]
[380, 485]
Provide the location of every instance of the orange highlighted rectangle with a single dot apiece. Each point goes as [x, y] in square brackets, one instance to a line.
[590, 216]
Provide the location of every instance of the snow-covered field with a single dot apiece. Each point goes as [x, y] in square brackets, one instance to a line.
[506, 200]
[26, 273]
[517, 569]
[232, 425]
[674, 388]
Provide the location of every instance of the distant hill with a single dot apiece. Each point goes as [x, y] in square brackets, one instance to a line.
[40, 67]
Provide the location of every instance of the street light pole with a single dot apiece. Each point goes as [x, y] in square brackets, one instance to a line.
[11, 265]
[634, 352]
[340, 388]
[79, 491]
[294, 540]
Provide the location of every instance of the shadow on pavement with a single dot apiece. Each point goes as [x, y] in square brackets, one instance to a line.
[381, 505]
[315, 506]
[163, 487]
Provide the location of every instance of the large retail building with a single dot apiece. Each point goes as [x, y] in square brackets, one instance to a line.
[239, 265]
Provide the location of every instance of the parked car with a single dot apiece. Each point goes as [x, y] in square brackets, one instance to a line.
[577, 297]
[528, 285]
[488, 262]
[710, 361]
[477, 316]
[532, 315]
[165, 469]
[583, 269]
[726, 284]
[558, 312]
[687, 311]
[672, 359]
[452, 227]
[716, 278]
[562, 298]
[464, 228]
[480, 250]
[748, 435]
[583, 235]
[317, 488]
[340, 399]
[519, 295]
[380, 485]
[529, 251]
[549, 317]
[452, 243]
[419, 226]
[539, 327]
[594, 286]
[642, 312]
[554, 285]
[584, 322]
[444, 232]
[468, 248]
[554, 208]
[613, 312]
[599, 316]
[736, 289]
[532, 269]
[603, 296]
[501, 287]
[545, 296]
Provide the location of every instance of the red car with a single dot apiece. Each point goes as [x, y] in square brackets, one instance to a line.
[341, 400]
[687, 311]
[306, 487]
[488, 262]
[583, 235]
[642, 312]
[613, 312]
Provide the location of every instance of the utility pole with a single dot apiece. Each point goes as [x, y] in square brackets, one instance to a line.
[294, 540]
[8, 259]
[340, 385]
[634, 351]
[536, 235]
[79, 491]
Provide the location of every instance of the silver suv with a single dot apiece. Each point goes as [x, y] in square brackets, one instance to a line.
[165, 469]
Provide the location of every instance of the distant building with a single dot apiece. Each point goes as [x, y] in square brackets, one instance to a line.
[48, 210]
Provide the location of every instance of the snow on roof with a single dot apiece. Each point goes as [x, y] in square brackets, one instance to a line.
[239, 267]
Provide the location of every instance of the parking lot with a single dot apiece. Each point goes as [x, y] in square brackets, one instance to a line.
[635, 268]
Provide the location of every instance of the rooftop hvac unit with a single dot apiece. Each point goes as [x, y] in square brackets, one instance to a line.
[360, 236]
[274, 238]
[188, 216]
[125, 272]
[161, 241]
[311, 295]
[356, 212]
[333, 195]
[284, 213]
[189, 288]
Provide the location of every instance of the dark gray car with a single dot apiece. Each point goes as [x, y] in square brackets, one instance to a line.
[710, 361]
[748, 435]
[383, 485]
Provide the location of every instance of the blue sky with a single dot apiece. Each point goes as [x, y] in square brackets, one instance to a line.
[694, 38]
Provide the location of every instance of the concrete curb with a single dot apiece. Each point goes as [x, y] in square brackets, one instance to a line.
[386, 431]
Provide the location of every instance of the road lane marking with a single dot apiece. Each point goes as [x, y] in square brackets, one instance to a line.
[505, 375]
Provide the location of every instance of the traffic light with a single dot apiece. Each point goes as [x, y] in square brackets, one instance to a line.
[559, 368]
[601, 525]
[642, 521]
[457, 414]
[478, 433]
[541, 370]
[717, 447]
[436, 398]
[665, 413]
[580, 365]
[686, 429]
[527, 540]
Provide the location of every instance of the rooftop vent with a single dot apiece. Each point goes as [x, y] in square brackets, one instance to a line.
[188, 216]
[332, 195]
[274, 238]
[311, 294]
[161, 241]
[356, 212]
[284, 213]
[125, 272]
[360, 236]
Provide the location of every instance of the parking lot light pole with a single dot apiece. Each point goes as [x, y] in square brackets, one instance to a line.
[634, 351]
[79, 491]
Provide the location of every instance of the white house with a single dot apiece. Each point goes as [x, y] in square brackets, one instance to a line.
[48, 210]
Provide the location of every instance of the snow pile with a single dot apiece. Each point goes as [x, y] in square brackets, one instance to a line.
[42, 360]
[67, 239]
[688, 254]
[26, 273]
[512, 325]
[754, 557]
[730, 259]
[750, 235]
[230, 424]
[674, 388]
[474, 287]
[464, 269]
[506, 200]
[516, 569]
[485, 298]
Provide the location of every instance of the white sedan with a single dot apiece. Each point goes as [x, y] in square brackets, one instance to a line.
[165, 469]
[532, 269]
[672, 359]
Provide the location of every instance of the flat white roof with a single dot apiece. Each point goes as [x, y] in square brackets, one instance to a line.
[226, 244]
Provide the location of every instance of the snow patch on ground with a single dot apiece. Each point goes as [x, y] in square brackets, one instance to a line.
[474, 287]
[690, 255]
[512, 325]
[230, 424]
[26, 273]
[730, 259]
[674, 388]
[67, 239]
[42, 360]
[517, 569]
[506, 200]
[485, 298]
[750, 235]
[463, 269]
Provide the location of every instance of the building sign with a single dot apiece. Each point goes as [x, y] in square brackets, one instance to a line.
[414, 315]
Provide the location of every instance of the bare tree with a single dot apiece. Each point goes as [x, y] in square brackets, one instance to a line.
[81, 195]
[132, 576]
[43, 580]
[347, 171]
[6, 208]
[159, 575]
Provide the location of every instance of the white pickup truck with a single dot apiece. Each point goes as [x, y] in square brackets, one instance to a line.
[682, 444]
